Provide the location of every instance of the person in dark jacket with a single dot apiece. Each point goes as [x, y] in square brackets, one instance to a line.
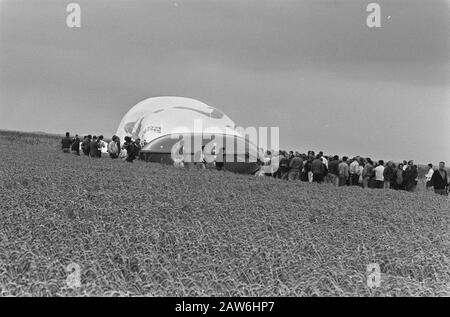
[76, 145]
[307, 169]
[333, 171]
[318, 169]
[66, 143]
[93, 147]
[295, 167]
[344, 172]
[389, 174]
[101, 144]
[409, 177]
[283, 166]
[129, 147]
[439, 180]
[220, 159]
[85, 145]
[118, 143]
[367, 173]
[137, 148]
[398, 177]
[88, 144]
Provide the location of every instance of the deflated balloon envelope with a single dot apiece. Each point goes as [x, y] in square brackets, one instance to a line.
[159, 116]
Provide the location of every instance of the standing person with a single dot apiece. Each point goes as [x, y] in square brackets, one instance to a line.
[295, 166]
[289, 157]
[416, 180]
[429, 176]
[76, 145]
[66, 143]
[128, 145]
[303, 173]
[101, 145]
[177, 155]
[318, 169]
[85, 146]
[347, 182]
[439, 180]
[308, 170]
[274, 164]
[333, 171]
[83, 143]
[354, 171]
[360, 171]
[93, 147]
[372, 182]
[284, 166]
[399, 177]
[389, 174]
[325, 169]
[276, 157]
[220, 159]
[118, 143]
[308, 166]
[409, 176]
[199, 159]
[267, 162]
[137, 148]
[324, 159]
[343, 171]
[379, 175]
[367, 172]
[113, 149]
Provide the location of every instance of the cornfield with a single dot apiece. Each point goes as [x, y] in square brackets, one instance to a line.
[150, 229]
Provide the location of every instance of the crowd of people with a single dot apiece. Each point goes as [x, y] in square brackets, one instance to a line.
[311, 167]
[93, 146]
[356, 171]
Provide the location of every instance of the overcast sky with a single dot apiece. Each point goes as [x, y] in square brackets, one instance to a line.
[312, 68]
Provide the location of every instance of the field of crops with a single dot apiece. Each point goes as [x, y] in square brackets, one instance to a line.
[148, 229]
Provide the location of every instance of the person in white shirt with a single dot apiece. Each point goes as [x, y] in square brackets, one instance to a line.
[324, 160]
[360, 179]
[354, 172]
[103, 146]
[379, 174]
[429, 175]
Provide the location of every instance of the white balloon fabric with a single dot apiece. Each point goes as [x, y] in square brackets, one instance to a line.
[158, 116]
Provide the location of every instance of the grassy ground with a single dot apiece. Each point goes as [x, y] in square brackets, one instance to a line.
[149, 229]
